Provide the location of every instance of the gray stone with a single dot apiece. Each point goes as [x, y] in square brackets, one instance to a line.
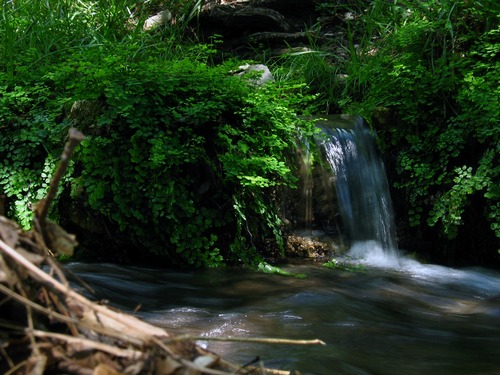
[265, 73]
[159, 19]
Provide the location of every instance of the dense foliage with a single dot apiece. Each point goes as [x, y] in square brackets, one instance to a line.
[182, 158]
[428, 74]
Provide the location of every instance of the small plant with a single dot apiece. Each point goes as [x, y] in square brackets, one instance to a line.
[344, 265]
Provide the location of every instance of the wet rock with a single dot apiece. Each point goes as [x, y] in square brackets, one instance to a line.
[306, 247]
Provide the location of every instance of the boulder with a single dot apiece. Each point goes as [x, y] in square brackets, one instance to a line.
[160, 19]
[262, 72]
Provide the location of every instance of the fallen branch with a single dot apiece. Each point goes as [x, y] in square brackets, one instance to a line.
[88, 338]
[82, 344]
[75, 137]
[137, 339]
[259, 340]
[49, 235]
[91, 314]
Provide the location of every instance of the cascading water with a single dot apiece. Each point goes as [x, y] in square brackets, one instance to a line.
[361, 184]
[434, 319]
[305, 202]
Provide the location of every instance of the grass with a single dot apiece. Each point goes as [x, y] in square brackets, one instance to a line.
[44, 31]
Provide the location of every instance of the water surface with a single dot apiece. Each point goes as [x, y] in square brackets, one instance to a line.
[401, 318]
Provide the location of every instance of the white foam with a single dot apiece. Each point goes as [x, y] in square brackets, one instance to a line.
[372, 253]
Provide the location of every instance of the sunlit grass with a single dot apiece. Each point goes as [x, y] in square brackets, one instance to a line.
[43, 32]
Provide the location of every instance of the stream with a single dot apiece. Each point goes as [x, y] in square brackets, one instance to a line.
[393, 316]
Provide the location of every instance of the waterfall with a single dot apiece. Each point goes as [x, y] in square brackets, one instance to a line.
[361, 184]
[305, 202]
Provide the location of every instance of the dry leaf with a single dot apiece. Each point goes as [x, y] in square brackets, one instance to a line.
[36, 259]
[59, 240]
[6, 275]
[166, 366]
[9, 231]
[3, 276]
[37, 364]
[103, 369]
[191, 371]
[134, 369]
[205, 361]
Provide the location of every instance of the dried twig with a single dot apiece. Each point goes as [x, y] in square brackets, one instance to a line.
[27, 303]
[259, 340]
[14, 369]
[85, 344]
[50, 236]
[75, 137]
[90, 326]
[101, 338]
[111, 319]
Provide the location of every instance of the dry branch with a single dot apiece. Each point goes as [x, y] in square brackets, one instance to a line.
[75, 137]
[258, 340]
[48, 327]
[126, 336]
[121, 339]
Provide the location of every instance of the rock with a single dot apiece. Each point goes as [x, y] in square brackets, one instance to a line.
[306, 247]
[159, 19]
[382, 116]
[265, 73]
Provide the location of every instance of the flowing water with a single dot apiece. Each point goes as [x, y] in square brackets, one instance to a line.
[391, 316]
[360, 181]
[403, 318]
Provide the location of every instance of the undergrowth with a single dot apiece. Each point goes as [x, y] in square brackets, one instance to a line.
[182, 158]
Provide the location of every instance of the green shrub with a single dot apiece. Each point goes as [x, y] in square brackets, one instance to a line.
[183, 158]
[28, 139]
[437, 72]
